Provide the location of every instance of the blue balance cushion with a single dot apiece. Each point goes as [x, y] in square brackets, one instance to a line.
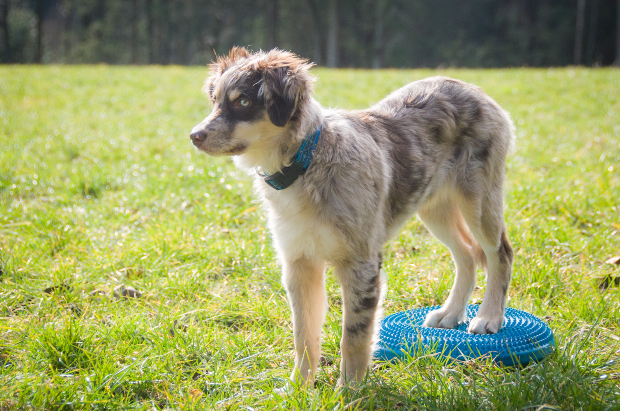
[523, 338]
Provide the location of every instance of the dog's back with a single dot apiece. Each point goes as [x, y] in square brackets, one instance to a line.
[444, 110]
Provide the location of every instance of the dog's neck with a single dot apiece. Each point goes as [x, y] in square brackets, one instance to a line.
[271, 153]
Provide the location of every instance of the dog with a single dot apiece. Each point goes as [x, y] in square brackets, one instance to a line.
[339, 184]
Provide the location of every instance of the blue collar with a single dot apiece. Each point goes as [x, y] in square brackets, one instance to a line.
[287, 176]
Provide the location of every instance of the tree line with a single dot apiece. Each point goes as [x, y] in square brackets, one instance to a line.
[334, 33]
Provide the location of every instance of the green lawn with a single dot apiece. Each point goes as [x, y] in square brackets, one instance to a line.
[100, 187]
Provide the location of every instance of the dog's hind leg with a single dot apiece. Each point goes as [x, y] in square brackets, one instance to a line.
[484, 215]
[444, 220]
[304, 281]
[362, 292]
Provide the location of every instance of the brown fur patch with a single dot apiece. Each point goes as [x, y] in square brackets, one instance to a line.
[260, 61]
[505, 250]
[279, 58]
[224, 62]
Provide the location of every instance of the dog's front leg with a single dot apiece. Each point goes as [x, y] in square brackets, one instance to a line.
[362, 292]
[305, 287]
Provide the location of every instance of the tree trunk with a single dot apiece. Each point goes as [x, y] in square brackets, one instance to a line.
[581, 6]
[149, 32]
[68, 31]
[273, 17]
[39, 51]
[617, 62]
[318, 50]
[378, 43]
[332, 33]
[318, 37]
[4, 22]
[592, 32]
[166, 40]
[525, 27]
[134, 32]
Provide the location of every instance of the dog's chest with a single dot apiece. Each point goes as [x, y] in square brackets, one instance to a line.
[298, 229]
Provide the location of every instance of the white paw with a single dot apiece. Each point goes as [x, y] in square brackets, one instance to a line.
[444, 318]
[348, 382]
[283, 391]
[485, 324]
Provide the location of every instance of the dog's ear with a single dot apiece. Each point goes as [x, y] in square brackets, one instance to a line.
[286, 83]
[281, 92]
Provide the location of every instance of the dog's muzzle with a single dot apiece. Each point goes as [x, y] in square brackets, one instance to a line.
[198, 135]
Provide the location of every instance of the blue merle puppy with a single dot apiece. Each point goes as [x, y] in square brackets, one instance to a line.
[337, 185]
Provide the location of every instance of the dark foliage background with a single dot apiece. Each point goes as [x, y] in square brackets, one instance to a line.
[354, 33]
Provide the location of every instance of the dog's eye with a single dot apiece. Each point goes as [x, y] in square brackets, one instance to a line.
[243, 102]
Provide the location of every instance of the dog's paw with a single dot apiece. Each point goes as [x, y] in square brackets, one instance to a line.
[349, 383]
[485, 324]
[287, 389]
[444, 318]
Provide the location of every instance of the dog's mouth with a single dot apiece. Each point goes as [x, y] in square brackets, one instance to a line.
[236, 150]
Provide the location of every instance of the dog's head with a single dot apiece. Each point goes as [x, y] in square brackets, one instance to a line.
[254, 96]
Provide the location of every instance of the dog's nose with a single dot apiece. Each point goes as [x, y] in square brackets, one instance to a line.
[198, 135]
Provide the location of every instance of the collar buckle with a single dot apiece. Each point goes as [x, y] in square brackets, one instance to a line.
[286, 177]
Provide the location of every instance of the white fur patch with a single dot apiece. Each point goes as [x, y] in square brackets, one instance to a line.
[234, 94]
[297, 234]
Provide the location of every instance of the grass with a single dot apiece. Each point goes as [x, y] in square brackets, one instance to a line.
[100, 187]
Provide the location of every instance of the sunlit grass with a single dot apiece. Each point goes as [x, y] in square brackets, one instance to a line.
[100, 187]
